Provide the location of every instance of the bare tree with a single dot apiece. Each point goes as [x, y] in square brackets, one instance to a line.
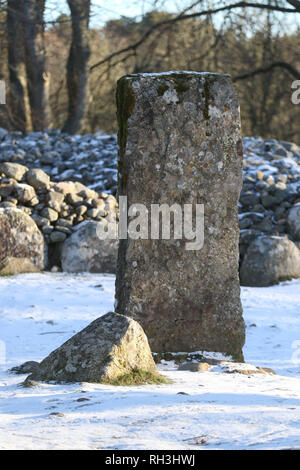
[77, 66]
[35, 60]
[16, 65]
[224, 6]
[28, 98]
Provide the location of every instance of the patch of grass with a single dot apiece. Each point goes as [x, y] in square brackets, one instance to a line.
[139, 377]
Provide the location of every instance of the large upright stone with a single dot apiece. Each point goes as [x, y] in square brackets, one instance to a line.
[179, 142]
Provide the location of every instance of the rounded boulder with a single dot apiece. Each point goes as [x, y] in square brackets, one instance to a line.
[86, 251]
[20, 237]
[270, 260]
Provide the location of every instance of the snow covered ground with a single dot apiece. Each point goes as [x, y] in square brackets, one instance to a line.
[202, 410]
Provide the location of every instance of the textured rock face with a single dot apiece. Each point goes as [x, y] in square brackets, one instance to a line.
[14, 170]
[11, 266]
[108, 348]
[269, 260]
[294, 222]
[20, 237]
[179, 139]
[84, 251]
[57, 209]
[38, 179]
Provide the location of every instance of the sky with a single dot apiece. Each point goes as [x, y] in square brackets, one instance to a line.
[103, 10]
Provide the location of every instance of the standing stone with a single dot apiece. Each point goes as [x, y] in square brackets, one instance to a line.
[179, 142]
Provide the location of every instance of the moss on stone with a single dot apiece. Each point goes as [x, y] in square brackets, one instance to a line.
[125, 106]
[162, 88]
[138, 377]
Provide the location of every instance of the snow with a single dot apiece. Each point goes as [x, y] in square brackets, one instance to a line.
[200, 410]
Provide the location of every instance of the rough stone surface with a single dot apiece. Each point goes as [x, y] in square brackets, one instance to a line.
[11, 266]
[25, 193]
[294, 222]
[84, 251]
[20, 237]
[179, 142]
[195, 366]
[269, 260]
[244, 369]
[25, 368]
[91, 160]
[38, 179]
[106, 349]
[57, 208]
[13, 170]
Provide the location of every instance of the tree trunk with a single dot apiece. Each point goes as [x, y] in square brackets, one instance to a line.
[77, 66]
[35, 59]
[16, 65]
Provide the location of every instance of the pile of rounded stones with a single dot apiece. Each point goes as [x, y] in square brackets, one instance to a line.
[90, 159]
[57, 208]
[269, 212]
[269, 206]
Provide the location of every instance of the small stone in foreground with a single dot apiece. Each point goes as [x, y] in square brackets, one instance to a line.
[11, 266]
[25, 368]
[195, 366]
[244, 369]
[106, 351]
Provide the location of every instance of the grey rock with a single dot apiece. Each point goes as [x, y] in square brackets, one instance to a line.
[38, 179]
[25, 192]
[179, 135]
[49, 214]
[54, 200]
[57, 236]
[84, 251]
[109, 347]
[13, 170]
[10, 266]
[20, 237]
[6, 189]
[294, 222]
[249, 198]
[195, 366]
[25, 368]
[270, 260]
[7, 204]
[47, 229]
[3, 133]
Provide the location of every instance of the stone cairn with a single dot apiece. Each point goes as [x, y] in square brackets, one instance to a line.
[56, 207]
[271, 175]
[179, 142]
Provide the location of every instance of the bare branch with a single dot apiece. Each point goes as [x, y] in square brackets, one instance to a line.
[283, 65]
[182, 17]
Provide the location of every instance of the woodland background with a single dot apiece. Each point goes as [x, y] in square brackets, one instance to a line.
[61, 71]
